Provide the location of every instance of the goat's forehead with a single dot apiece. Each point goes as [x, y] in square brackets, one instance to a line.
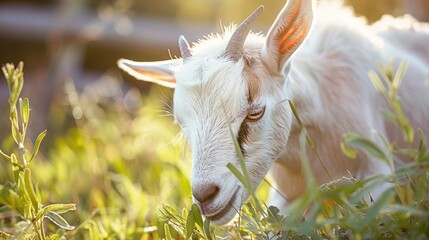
[210, 87]
[209, 81]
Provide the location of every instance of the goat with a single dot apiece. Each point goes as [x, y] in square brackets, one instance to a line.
[318, 59]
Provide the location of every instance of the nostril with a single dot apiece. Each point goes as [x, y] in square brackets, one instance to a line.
[206, 194]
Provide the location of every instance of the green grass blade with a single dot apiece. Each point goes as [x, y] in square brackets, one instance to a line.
[244, 179]
[239, 154]
[37, 144]
[243, 176]
[295, 113]
[237, 174]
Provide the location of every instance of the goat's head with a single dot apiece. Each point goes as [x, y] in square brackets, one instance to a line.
[232, 81]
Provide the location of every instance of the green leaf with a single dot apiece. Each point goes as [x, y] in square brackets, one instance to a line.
[376, 81]
[197, 216]
[58, 220]
[19, 74]
[37, 144]
[35, 202]
[274, 216]
[15, 80]
[207, 229]
[167, 232]
[58, 208]
[190, 225]
[15, 166]
[349, 152]
[367, 145]
[25, 110]
[399, 75]
[184, 213]
[17, 137]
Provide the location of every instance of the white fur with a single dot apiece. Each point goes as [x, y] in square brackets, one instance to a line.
[328, 82]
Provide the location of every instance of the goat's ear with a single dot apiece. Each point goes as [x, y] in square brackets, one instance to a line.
[288, 32]
[161, 72]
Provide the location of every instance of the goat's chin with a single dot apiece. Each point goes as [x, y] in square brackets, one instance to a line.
[226, 214]
[225, 218]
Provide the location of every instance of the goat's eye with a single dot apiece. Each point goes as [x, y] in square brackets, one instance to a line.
[255, 115]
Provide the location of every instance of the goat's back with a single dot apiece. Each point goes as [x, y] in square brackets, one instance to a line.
[407, 34]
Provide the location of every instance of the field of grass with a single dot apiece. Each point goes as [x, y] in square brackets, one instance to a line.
[122, 172]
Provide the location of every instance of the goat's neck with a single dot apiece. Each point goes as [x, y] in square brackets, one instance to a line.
[304, 91]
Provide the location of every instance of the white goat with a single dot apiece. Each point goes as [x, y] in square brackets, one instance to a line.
[241, 79]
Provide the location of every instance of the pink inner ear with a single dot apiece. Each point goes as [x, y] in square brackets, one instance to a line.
[287, 40]
[292, 43]
[159, 75]
[289, 33]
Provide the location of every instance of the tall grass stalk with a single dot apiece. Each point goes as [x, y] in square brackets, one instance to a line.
[21, 196]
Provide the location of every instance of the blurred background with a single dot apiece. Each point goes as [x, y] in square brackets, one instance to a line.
[111, 146]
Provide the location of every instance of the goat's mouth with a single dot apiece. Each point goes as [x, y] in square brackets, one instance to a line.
[224, 215]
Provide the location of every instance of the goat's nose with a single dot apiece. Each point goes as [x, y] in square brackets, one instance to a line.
[206, 193]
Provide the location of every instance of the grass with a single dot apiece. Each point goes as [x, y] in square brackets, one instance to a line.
[121, 174]
[20, 196]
